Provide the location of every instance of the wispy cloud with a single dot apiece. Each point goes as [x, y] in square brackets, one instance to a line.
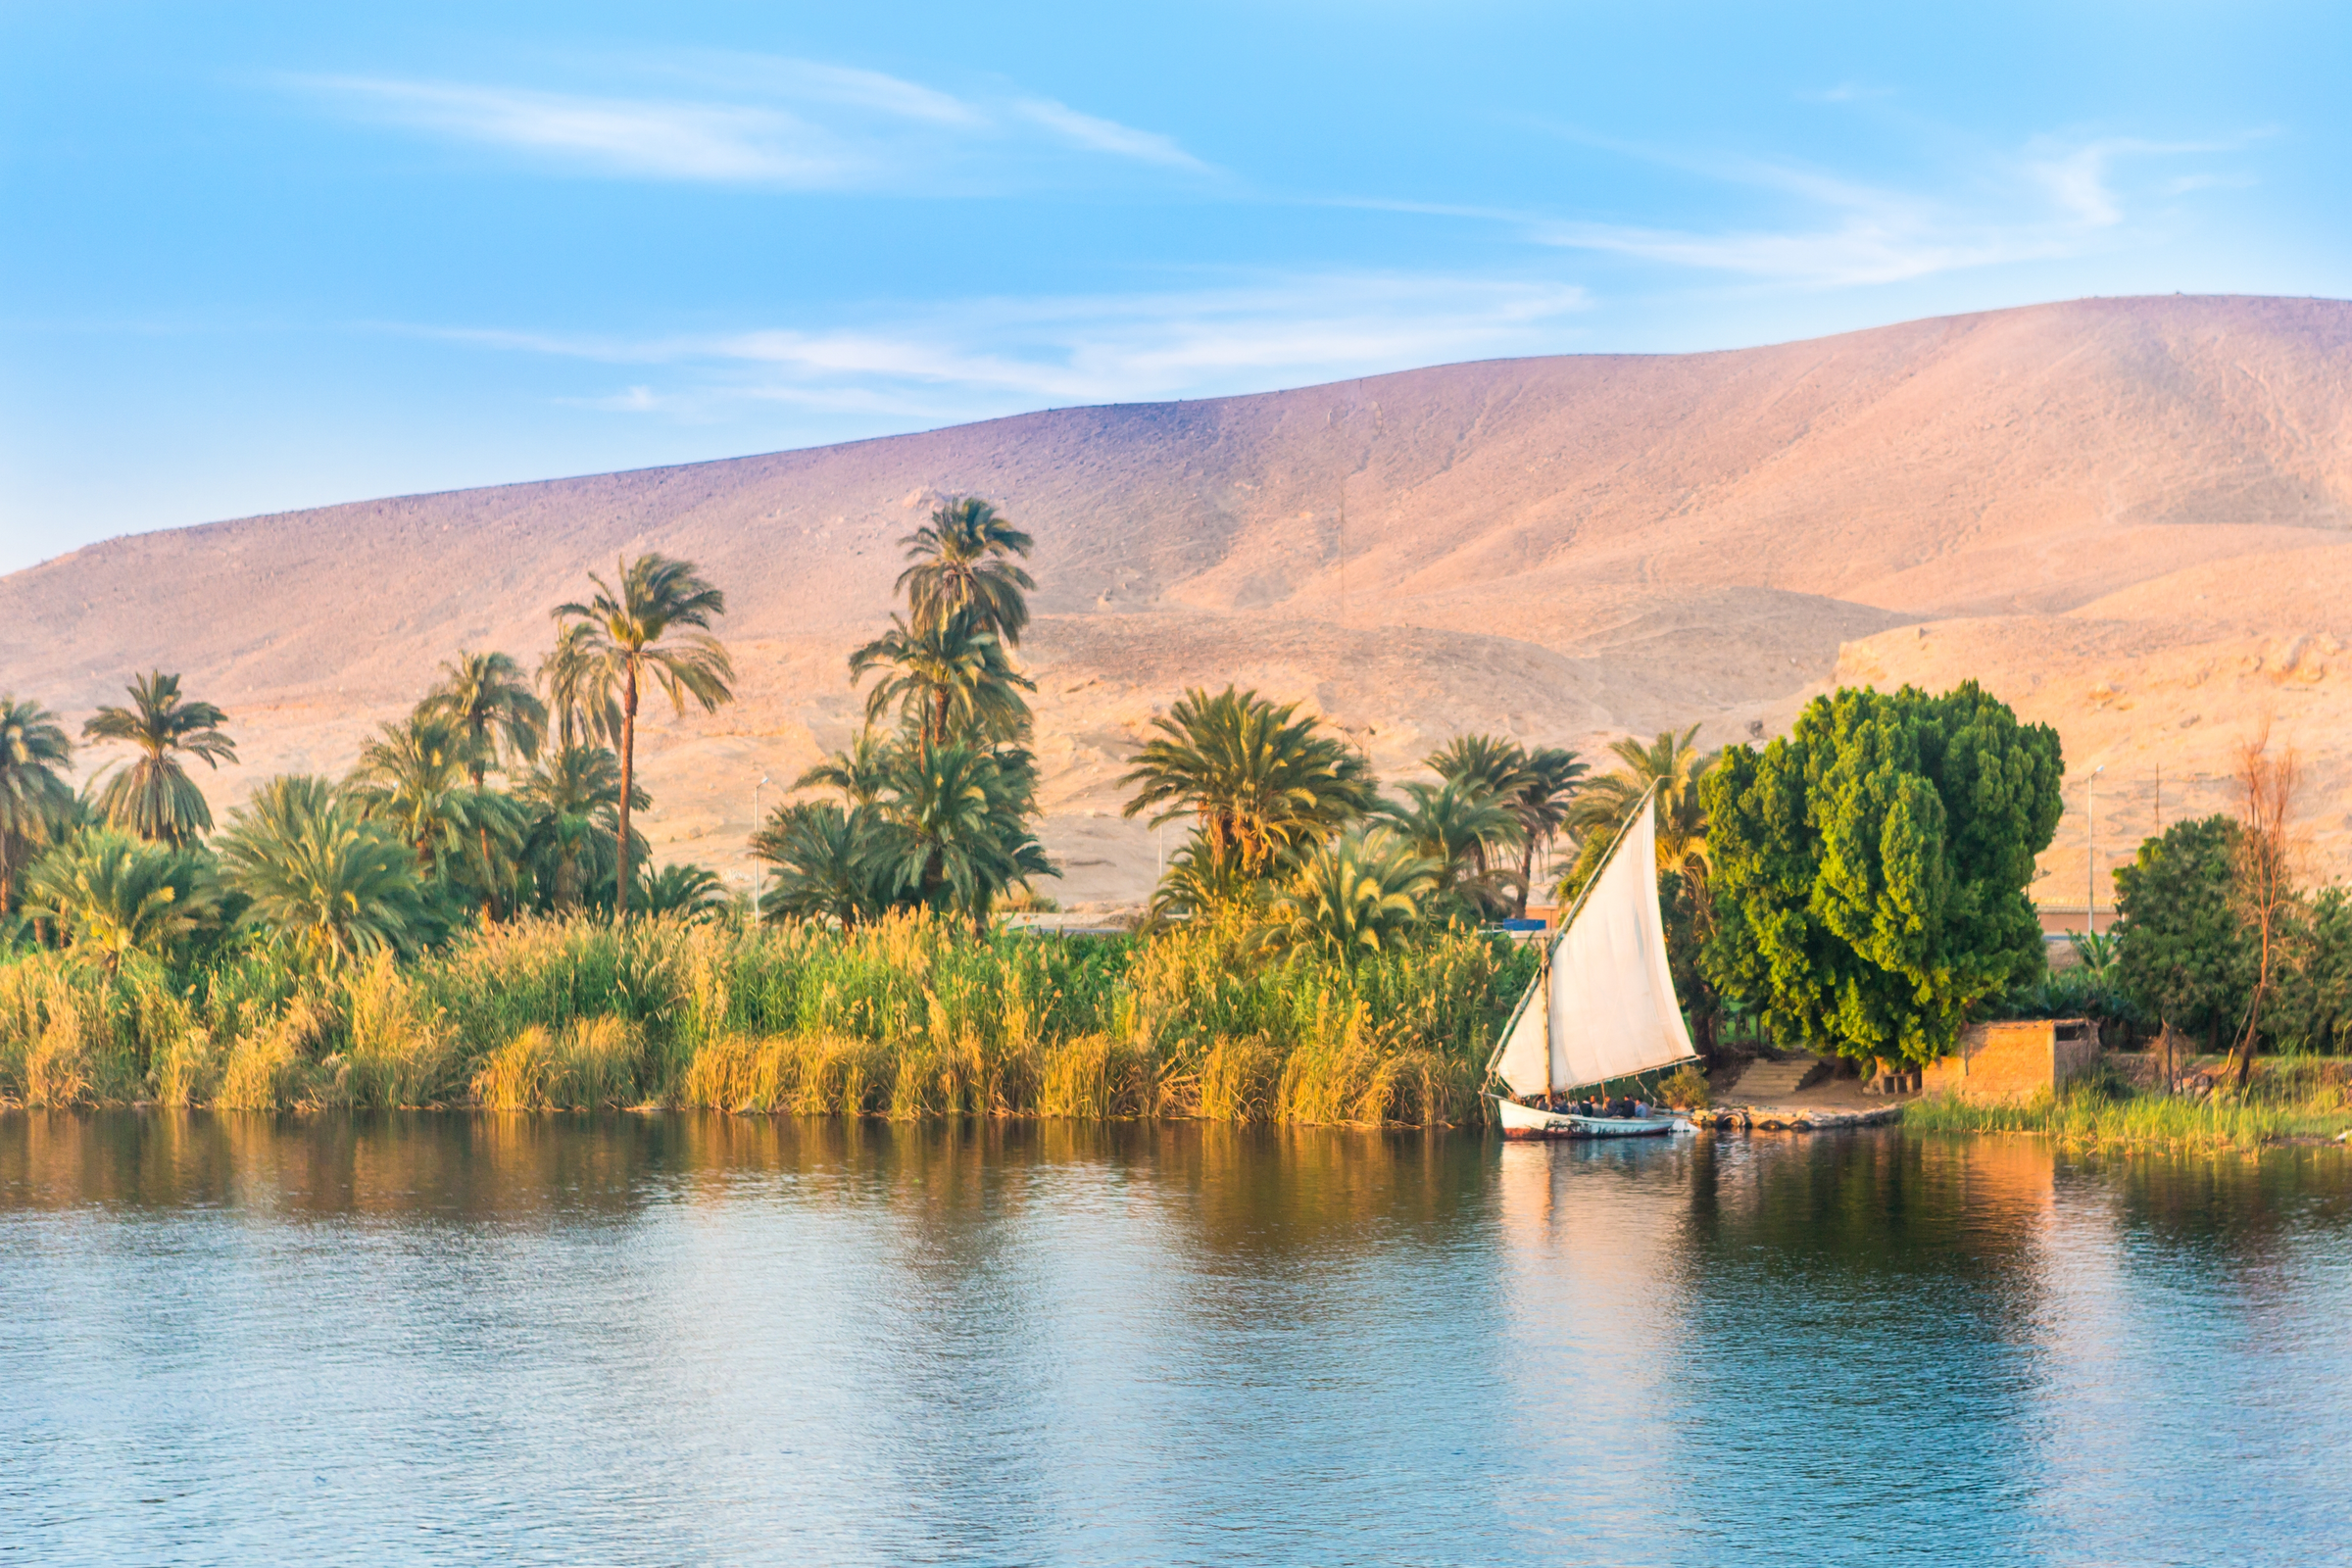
[991, 356]
[753, 119]
[2054, 198]
[1105, 136]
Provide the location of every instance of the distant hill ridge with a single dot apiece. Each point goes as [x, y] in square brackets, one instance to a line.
[2127, 516]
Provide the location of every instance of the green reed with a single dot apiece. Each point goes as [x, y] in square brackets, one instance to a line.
[2286, 1100]
[909, 1016]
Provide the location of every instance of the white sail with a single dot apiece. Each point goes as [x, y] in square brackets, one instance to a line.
[1614, 1007]
[1527, 1042]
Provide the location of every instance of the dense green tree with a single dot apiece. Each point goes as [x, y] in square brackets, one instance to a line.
[1869, 869]
[2182, 949]
[650, 625]
[325, 878]
[151, 796]
[1461, 827]
[1258, 781]
[963, 564]
[2314, 1003]
[109, 895]
[950, 679]
[1358, 894]
[35, 797]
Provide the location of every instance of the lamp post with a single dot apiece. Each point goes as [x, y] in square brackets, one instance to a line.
[2091, 857]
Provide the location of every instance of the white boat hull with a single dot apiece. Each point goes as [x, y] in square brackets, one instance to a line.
[1527, 1122]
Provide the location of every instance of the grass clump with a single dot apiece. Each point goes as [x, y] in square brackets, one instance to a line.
[2287, 1100]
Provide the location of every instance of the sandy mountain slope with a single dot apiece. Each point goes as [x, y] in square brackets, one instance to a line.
[2133, 518]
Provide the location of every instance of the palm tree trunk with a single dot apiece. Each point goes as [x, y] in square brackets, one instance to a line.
[489, 888]
[628, 776]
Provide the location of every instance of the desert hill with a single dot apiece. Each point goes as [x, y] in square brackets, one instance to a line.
[2133, 518]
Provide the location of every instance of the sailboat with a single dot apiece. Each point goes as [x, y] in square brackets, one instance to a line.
[1602, 1007]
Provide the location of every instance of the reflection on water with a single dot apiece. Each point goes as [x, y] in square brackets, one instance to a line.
[459, 1339]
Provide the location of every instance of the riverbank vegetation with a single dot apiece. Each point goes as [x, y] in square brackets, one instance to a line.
[908, 1014]
[2295, 1099]
[470, 916]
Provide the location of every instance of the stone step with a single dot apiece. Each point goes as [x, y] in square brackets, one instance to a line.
[1764, 1081]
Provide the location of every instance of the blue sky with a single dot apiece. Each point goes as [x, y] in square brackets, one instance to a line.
[255, 258]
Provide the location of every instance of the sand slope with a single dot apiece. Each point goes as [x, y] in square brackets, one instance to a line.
[2127, 516]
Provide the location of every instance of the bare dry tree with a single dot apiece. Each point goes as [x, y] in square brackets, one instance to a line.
[2266, 862]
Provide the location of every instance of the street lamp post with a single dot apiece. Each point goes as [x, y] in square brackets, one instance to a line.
[2090, 856]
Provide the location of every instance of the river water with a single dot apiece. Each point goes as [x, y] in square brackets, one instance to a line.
[702, 1338]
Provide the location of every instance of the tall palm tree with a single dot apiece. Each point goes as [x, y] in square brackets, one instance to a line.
[485, 696]
[151, 796]
[33, 792]
[1259, 781]
[651, 623]
[1674, 766]
[113, 895]
[1455, 825]
[1536, 786]
[1542, 804]
[950, 679]
[333, 884]
[963, 563]
[571, 803]
[580, 700]
[413, 777]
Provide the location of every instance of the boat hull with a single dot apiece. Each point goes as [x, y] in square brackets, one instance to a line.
[1527, 1122]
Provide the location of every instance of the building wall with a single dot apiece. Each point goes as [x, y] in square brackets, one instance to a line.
[2015, 1061]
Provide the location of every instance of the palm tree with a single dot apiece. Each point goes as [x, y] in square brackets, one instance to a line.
[1353, 897]
[1259, 781]
[963, 565]
[1453, 825]
[485, 696]
[153, 796]
[952, 831]
[1674, 766]
[860, 771]
[951, 681]
[823, 864]
[412, 776]
[333, 884]
[1536, 786]
[1198, 882]
[655, 625]
[692, 891]
[571, 803]
[580, 699]
[33, 796]
[1488, 762]
[113, 895]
